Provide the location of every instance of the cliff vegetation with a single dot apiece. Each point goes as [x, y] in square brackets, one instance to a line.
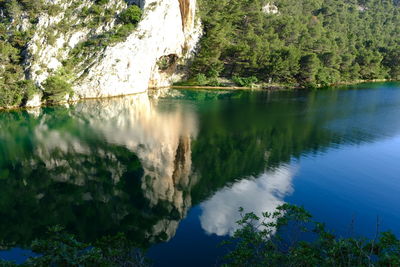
[27, 27]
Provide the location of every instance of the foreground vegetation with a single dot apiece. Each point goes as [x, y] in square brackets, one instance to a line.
[63, 249]
[307, 42]
[290, 237]
[287, 237]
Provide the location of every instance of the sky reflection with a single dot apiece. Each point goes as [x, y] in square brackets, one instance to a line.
[261, 194]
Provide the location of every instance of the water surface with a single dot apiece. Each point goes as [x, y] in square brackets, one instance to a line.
[171, 171]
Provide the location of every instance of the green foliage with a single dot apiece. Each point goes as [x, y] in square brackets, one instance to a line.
[10, 96]
[54, 9]
[131, 15]
[310, 43]
[14, 88]
[13, 42]
[245, 81]
[392, 61]
[56, 88]
[62, 249]
[102, 2]
[85, 52]
[265, 242]
[201, 79]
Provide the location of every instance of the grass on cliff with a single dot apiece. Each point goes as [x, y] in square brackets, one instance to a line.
[15, 89]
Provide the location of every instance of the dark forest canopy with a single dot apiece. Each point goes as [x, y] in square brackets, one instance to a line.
[308, 42]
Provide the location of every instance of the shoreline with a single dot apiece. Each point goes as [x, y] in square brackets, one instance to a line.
[277, 86]
[274, 87]
[70, 102]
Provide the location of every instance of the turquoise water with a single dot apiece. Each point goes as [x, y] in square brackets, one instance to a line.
[171, 172]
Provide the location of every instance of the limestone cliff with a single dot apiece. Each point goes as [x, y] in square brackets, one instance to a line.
[148, 57]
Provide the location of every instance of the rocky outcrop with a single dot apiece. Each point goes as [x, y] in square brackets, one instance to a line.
[57, 33]
[164, 38]
[136, 64]
[270, 9]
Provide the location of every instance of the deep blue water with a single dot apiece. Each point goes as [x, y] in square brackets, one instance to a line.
[172, 172]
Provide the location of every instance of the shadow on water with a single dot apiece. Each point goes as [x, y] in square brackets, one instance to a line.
[137, 165]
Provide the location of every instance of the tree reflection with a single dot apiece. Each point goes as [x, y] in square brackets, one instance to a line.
[136, 165]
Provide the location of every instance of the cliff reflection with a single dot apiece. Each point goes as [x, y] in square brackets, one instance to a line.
[162, 142]
[160, 139]
[136, 165]
[99, 167]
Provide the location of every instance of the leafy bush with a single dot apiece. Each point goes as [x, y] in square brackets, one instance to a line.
[102, 2]
[213, 82]
[10, 98]
[201, 79]
[14, 89]
[131, 15]
[264, 242]
[17, 93]
[245, 81]
[56, 88]
[62, 249]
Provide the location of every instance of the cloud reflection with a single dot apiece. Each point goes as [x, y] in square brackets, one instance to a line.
[261, 194]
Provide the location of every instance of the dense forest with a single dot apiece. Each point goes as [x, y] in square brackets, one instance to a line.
[305, 42]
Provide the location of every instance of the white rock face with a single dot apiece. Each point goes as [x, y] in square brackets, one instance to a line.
[56, 35]
[131, 67]
[35, 101]
[168, 30]
[270, 9]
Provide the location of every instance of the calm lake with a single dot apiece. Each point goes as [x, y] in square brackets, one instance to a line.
[170, 171]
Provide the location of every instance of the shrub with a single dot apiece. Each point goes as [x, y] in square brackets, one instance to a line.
[10, 97]
[201, 79]
[131, 15]
[245, 81]
[60, 248]
[16, 93]
[102, 2]
[56, 88]
[29, 88]
[213, 82]
[271, 241]
[54, 9]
